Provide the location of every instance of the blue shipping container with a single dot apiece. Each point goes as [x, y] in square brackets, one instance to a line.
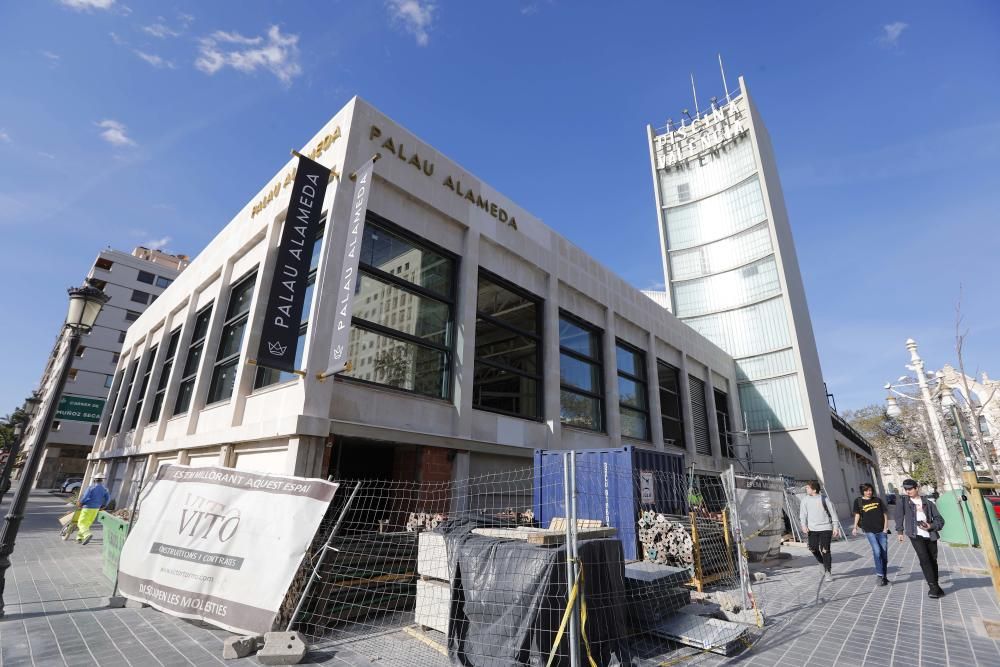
[611, 486]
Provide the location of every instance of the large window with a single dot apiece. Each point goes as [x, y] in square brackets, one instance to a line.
[401, 333]
[141, 394]
[161, 386]
[725, 427]
[581, 378]
[669, 380]
[125, 395]
[116, 385]
[227, 359]
[508, 368]
[268, 376]
[193, 361]
[633, 401]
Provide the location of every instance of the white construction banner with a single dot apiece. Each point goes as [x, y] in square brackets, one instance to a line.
[760, 500]
[221, 545]
[349, 271]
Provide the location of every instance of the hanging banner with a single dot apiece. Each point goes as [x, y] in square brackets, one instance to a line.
[220, 545]
[761, 502]
[283, 312]
[349, 273]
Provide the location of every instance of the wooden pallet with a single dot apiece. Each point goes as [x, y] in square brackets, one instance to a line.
[544, 536]
[559, 523]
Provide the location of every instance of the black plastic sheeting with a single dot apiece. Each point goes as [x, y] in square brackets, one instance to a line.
[508, 598]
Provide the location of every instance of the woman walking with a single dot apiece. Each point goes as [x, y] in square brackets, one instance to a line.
[871, 515]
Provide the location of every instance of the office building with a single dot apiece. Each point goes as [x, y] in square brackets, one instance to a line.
[133, 281]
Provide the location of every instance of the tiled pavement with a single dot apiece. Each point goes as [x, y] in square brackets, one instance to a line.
[54, 614]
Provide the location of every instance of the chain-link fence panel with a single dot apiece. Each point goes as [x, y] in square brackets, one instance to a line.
[580, 564]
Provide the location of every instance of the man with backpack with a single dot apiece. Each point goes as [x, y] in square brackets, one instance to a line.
[919, 519]
[816, 517]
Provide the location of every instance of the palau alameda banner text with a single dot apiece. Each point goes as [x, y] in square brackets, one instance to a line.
[221, 545]
[283, 312]
[349, 271]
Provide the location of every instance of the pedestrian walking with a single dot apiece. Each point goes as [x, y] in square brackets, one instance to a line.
[816, 516]
[93, 501]
[871, 515]
[919, 519]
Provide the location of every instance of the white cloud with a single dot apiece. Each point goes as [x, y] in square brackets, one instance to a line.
[114, 133]
[160, 30]
[276, 53]
[156, 244]
[49, 156]
[154, 60]
[87, 5]
[892, 32]
[4, 137]
[186, 19]
[415, 17]
[116, 39]
[53, 58]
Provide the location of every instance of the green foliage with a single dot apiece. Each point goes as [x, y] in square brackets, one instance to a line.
[900, 442]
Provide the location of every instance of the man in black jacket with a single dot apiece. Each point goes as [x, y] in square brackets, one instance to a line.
[918, 519]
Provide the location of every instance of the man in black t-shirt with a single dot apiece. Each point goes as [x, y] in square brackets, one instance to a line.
[870, 512]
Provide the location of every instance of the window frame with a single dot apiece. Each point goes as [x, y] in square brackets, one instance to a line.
[723, 420]
[621, 345]
[242, 317]
[597, 361]
[120, 420]
[664, 417]
[447, 349]
[539, 376]
[141, 394]
[160, 391]
[141, 273]
[194, 344]
[266, 377]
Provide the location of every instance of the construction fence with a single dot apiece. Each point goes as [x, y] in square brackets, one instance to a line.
[578, 564]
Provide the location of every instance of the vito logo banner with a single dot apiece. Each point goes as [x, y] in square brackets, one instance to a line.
[285, 301]
[217, 544]
[349, 272]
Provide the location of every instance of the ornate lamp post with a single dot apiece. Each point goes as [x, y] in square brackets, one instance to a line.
[29, 410]
[947, 473]
[85, 305]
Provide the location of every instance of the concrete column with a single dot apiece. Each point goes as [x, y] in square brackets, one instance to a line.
[685, 388]
[713, 423]
[653, 393]
[552, 402]
[183, 457]
[613, 417]
[467, 292]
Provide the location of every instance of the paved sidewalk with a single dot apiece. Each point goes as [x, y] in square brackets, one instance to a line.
[851, 621]
[55, 590]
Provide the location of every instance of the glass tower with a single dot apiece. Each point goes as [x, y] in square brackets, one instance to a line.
[731, 272]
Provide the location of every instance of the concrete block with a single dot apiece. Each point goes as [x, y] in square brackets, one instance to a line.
[432, 556]
[237, 646]
[135, 604]
[115, 602]
[282, 648]
[433, 605]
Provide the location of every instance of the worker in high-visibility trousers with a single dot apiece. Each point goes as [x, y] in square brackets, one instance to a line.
[93, 501]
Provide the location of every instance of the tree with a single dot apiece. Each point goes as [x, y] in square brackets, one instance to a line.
[901, 442]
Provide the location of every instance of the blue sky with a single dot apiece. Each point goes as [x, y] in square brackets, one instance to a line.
[125, 123]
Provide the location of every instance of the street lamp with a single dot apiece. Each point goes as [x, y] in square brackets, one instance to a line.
[85, 305]
[948, 475]
[29, 410]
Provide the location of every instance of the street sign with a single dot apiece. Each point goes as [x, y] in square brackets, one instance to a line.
[115, 531]
[80, 408]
